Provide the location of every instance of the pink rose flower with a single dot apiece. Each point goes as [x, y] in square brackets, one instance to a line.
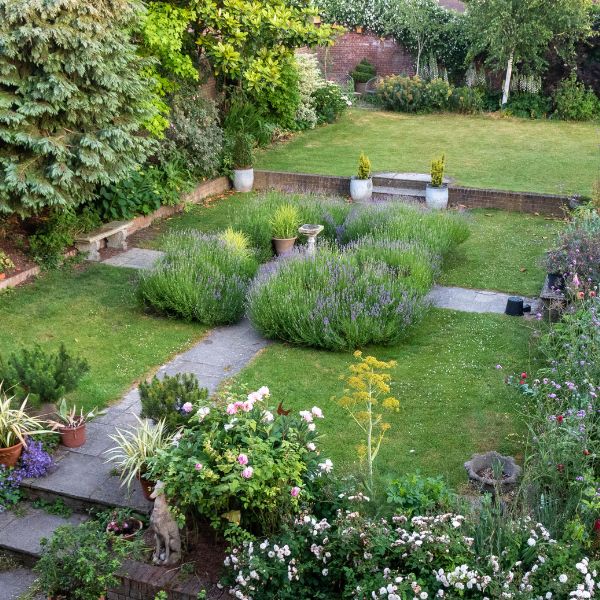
[247, 472]
[231, 409]
[198, 466]
[242, 459]
[295, 491]
[317, 412]
[187, 407]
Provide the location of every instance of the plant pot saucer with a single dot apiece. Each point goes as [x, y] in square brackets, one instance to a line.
[482, 470]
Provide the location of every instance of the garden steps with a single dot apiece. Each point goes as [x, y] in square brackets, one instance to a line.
[398, 194]
[20, 533]
[401, 186]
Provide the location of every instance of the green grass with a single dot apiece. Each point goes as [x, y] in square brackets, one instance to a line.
[453, 400]
[503, 253]
[481, 151]
[94, 312]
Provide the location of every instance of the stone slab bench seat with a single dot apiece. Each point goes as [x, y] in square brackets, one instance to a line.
[112, 235]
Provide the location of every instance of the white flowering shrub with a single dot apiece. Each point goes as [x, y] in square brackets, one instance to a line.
[309, 80]
[356, 557]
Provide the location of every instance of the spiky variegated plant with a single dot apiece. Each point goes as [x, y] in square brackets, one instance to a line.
[15, 424]
[73, 99]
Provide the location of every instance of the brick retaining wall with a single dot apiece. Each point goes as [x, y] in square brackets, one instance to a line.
[527, 202]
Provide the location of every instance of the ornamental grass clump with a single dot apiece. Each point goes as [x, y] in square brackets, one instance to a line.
[334, 301]
[201, 278]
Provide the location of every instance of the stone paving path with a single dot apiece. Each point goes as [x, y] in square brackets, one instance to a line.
[135, 258]
[15, 583]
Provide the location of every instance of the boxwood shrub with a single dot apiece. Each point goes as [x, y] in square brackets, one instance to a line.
[201, 278]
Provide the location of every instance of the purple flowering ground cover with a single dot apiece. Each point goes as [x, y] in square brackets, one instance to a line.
[453, 401]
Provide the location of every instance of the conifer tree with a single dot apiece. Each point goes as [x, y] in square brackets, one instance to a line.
[73, 100]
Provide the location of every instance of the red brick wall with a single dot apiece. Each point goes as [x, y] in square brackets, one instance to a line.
[389, 57]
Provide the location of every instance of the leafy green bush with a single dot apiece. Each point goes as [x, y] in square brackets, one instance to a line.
[363, 72]
[413, 94]
[467, 100]
[309, 79]
[437, 95]
[573, 102]
[240, 465]
[413, 494]
[529, 106]
[41, 376]
[171, 399]
[80, 562]
[5, 262]
[200, 278]
[330, 102]
[242, 154]
[285, 222]
[74, 101]
[194, 133]
[334, 301]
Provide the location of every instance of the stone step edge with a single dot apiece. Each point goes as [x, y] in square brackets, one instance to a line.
[396, 191]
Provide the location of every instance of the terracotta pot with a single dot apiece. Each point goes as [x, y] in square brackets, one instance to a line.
[147, 486]
[138, 526]
[283, 246]
[10, 456]
[72, 437]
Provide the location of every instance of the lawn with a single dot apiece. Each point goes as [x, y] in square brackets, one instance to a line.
[453, 399]
[94, 312]
[481, 151]
[503, 252]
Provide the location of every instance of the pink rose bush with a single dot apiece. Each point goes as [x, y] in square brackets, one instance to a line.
[242, 456]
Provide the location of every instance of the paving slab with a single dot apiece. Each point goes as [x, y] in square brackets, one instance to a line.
[467, 300]
[135, 258]
[15, 583]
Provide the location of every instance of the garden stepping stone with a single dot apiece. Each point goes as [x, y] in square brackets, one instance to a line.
[16, 582]
[466, 300]
[135, 258]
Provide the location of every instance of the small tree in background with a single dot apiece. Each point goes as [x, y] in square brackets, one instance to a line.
[511, 32]
[73, 100]
[367, 394]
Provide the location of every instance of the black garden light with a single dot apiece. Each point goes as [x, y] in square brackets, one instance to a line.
[515, 306]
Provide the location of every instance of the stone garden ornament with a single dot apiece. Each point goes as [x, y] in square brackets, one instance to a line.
[166, 531]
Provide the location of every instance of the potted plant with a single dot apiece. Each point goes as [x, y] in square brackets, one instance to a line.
[363, 72]
[124, 525]
[15, 427]
[80, 562]
[70, 425]
[243, 159]
[135, 447]
[284, 228]
[361, 186]
[557, 264]
[5, 264]
[436, 193]
[492, 472]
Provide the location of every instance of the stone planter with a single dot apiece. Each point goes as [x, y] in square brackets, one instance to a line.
[243, 180]
[283, 246]
[436, 197]
[10, 456]
[361, 190]
[360, 87]
[556, 281]
[72, 437]
[480, 470]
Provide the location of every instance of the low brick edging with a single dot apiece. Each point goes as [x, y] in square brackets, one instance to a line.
[550, 205]
[141, 581]
[202, 191]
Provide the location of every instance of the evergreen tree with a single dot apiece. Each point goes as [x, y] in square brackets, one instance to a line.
[73, 100]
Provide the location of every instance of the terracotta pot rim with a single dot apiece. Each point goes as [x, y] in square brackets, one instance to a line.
[285, 239]
[11, 447]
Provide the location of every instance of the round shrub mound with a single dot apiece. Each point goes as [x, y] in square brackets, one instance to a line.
[201, 278]
[335, 301]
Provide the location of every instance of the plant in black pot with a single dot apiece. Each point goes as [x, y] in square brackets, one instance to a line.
[557, 264]
[243, 159]
[362, 74]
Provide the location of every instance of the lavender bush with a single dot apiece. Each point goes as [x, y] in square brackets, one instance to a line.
[201, 278]
[334, 301]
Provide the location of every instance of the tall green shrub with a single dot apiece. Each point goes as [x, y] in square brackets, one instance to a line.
[73, 99]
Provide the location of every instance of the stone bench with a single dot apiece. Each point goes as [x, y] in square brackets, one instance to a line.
[111, 235]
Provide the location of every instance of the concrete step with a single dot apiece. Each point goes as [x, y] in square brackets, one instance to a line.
[398, 194]
[21, 532]
[417, 181]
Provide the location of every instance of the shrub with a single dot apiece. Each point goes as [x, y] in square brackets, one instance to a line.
[413, 494]
[529, 106]
[242, 155]
[413, 94]
[466, 100]
[241, 466]
[285, 222]
[198, 279]
[574, 102]
[42, 377]
[438, 166]
[80, 561]
[194, 133]
[6, 264]
[333, 301]
[309, 80]
[330, 102]
[363, 72]
[364, 167]
[171, 399]
[78, 121]
[437, 95]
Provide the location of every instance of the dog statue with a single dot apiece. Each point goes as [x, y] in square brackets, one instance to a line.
[166, 531]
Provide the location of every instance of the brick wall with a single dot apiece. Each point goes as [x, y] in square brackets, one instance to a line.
[527, 202]
[388, 57]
